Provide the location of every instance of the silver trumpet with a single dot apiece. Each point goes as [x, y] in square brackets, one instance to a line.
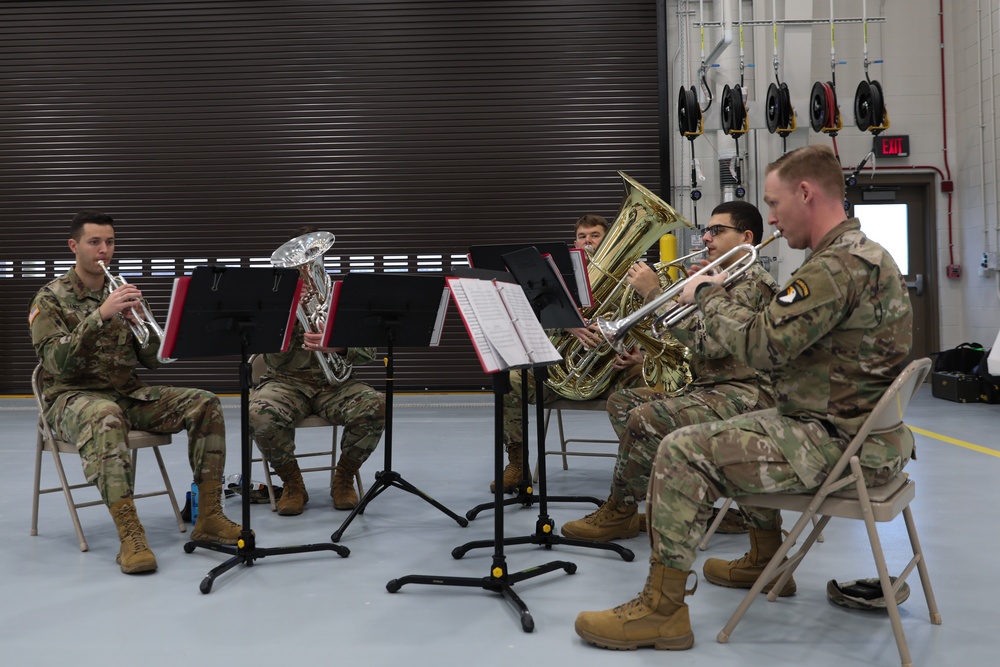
[145, 324]
[615, 331]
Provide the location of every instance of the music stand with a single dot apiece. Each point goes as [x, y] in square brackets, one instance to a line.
[491, 256]
[554, 310]
[390, 309]
[499, 579]
[222, 311]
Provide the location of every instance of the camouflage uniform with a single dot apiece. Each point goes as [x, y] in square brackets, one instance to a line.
[94, 396]
[833, 340]
[723, 387]
[294, 386]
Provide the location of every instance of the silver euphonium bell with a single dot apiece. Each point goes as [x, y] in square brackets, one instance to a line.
[305, 253]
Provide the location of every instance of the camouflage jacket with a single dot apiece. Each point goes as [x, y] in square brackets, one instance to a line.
[711, 363]
[297, 366]
[79, 350]
[834, 338]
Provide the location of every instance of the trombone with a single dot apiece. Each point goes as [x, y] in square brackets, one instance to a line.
[616, 331]
[145, 324]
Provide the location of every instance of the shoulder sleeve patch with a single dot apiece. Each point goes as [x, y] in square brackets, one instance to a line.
[797, 291]
[32, 315]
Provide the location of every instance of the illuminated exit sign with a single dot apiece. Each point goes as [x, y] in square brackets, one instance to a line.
[897, 146]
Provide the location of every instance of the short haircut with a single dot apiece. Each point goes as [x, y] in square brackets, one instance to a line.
[592, 220]
[84, 217]
[744, 216]
[816, 163]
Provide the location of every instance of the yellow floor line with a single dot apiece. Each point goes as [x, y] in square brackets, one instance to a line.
[960, 443]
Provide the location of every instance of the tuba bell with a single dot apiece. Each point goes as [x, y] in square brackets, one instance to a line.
[305, 253]
[584, 374]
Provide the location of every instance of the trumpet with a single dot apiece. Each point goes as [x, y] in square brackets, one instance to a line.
[615, 332]
[144, 324]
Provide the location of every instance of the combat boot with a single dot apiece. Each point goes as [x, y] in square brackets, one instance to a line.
[293, 494]
[657, 618]
[514, 472]
[611, 521]
[344, 495]
[134, 555]
[743, 572]
[212, 524]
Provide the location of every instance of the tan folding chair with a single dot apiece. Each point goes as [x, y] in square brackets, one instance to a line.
[48, 442]
[257, 368]
[557, 406]
[846, 496]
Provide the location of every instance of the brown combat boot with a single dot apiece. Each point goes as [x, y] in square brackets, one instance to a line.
[212, 524]
[611, 521]
[134, 555]
[514, 471]
[293, 494]
[344, 495]
[743, 572]
[657, 618]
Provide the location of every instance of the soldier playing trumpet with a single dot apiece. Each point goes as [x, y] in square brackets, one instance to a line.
[84, 337]
[723, 386]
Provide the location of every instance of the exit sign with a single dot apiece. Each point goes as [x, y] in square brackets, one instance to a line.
[897, 146]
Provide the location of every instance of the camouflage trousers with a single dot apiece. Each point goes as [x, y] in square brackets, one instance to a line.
[99, 421]
[276, 407]
[697, 465]
[641, 417]
[512, 421]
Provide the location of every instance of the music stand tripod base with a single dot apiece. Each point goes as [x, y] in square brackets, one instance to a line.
[222, 311]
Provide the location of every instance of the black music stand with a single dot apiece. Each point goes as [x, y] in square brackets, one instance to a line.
[390, 309]
[224, 311]
[554, 309]
[499, 579]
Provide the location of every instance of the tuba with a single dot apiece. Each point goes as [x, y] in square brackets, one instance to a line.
[584, 374]
[305, 253]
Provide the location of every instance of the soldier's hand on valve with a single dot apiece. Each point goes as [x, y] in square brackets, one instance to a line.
[643, 279]
[691, 286]
[122, 300]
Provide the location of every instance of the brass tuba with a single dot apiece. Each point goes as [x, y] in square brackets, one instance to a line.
[305, 253]
[584, 374]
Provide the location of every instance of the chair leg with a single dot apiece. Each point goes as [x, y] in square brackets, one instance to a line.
[267, 482]
[170, 490]
[925, 578]
[562, 439]
[38, 486]
[715, 524]
[70, 503]
[891, 608]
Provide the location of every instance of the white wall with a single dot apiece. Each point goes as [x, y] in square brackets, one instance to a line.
[908, 40]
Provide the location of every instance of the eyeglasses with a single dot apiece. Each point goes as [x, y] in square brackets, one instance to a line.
[715, 230]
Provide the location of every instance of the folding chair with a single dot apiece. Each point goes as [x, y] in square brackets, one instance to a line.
[257, 368]
[48, 442]
[557, 406]
[846, 496]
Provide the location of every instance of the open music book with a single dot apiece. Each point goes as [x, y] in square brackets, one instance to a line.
[501, 324]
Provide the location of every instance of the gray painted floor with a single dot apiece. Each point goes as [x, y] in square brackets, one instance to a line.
[62, 606]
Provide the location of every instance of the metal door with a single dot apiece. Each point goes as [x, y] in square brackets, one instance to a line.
[898, 213]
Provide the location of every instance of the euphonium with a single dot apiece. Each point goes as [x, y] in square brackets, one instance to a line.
[305, 253]
[642, 219]
[144, 323]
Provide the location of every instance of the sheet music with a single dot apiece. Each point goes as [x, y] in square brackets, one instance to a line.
[490, 361]
[439, 320]
[579, 258]
[536, 342]
[496, 322]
